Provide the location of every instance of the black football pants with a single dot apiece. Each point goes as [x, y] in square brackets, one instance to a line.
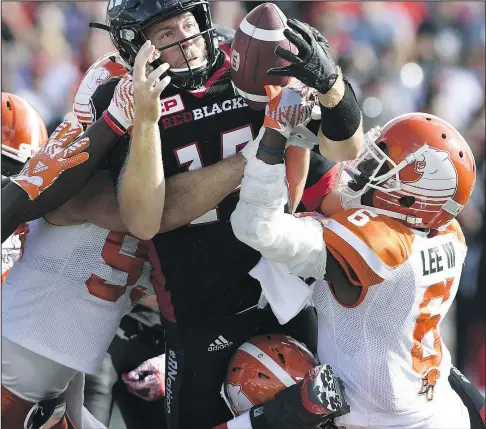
[470, 396]
[197, 357]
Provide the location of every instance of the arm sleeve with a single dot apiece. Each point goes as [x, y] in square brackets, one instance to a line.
[260, 222]
[100, 101]
[116, 158]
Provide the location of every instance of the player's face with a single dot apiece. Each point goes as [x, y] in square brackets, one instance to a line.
[173, 30]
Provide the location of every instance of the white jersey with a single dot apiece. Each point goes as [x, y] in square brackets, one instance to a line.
[384, 345]
[10, 253]
[65, 297]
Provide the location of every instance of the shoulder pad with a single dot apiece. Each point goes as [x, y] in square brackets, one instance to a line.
[368, 246]
[452, 227]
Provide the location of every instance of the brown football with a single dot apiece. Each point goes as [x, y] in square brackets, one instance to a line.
[253, 53]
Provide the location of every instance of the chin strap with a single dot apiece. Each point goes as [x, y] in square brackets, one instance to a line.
[100, 26]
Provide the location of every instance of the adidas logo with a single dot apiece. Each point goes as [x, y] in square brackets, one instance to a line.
[219, 343]
[40, 167]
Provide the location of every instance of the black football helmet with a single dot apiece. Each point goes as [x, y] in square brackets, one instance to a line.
[126, 21]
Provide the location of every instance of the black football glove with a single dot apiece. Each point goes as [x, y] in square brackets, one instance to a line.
[313, 65]
[313, 403]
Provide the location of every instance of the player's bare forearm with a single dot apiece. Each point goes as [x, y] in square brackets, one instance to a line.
[188, 196]
[274, 141]
[343, 140]
[191, 194]
[141, 189]
[95, 203]
[17, 208]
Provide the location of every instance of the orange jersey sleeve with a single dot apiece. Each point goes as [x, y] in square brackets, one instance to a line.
[367, 246]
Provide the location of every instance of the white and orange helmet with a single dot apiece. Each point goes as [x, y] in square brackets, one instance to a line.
[23, 130]
[262, 367]
[109, 66]
[418, 169]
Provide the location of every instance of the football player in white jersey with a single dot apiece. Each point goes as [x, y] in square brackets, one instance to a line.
[387, 267]
[63, 300]
[17, 147]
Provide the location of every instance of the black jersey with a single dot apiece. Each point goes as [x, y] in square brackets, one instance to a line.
[205, 266]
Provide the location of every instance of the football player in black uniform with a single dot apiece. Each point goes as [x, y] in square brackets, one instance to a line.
[203, 120]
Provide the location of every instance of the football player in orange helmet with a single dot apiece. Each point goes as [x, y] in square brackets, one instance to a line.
[23, 133]
[263, 366]
[387, 267]
[274, 381]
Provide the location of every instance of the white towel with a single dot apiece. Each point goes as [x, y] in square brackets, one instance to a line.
[286, 293]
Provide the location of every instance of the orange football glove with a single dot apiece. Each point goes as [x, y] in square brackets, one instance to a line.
[59, 153]
[289, 106]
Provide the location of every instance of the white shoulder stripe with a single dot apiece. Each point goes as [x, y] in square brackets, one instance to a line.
[260, 33]
[268, 362]
[373, 261]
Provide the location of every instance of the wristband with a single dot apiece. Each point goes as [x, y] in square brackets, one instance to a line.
[341, 122]
[113, 123]
[276, 152]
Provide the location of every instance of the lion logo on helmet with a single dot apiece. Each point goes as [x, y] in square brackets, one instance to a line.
[432, 171]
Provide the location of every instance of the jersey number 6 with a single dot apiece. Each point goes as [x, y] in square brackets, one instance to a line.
[428, 323]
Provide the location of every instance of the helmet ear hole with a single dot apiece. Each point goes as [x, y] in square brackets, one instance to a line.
[9, 105]
[382, 145]
[367, 198]
[264, 376]
[406, 201]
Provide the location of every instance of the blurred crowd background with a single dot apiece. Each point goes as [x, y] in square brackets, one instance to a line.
[399, 56]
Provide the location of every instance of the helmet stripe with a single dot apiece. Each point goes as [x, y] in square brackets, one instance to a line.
[268, 362]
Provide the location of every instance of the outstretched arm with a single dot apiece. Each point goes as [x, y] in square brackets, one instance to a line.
[341, 134]
[259, 219]
[189, 196]
[141, 187]
[17, 205]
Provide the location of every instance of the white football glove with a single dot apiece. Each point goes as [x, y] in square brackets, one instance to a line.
[122, 107]
[289, 106]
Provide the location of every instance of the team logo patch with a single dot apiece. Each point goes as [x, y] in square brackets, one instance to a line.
[172, 105]
[219, 344]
